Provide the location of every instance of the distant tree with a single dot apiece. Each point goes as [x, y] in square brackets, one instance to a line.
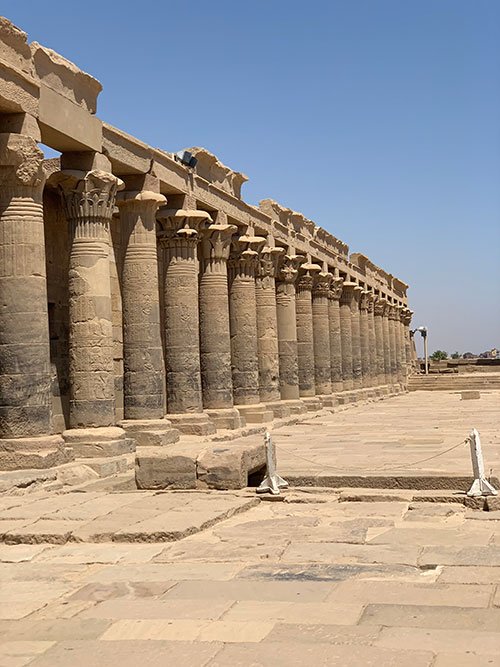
[456, 355]
[439, 355]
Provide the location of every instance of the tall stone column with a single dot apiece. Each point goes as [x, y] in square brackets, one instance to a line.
[378, 316]
[372, 341]
[267, 329]
[321, 333]
[287, 330]
[393, 345]
[347, 301]
[215, 340]
[335, 335]
[25, 393]
[144, 369]
[357, 372]
[364, 334]
[89, 199]
[402, 346]
[387, 344]
[179, 238]
[406, 319]
[243, 325]
[305, 340]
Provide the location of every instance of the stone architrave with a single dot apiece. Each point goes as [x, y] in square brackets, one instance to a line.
[335, 335]
[364, 334]
[267, 328]
[378, 316]
[242, 265]
[372, 341]
[89, 199]
[25, 382]
[393, 340]
[347, 303]
[215, 340]
[287, 329]
[144, 369]
[387, 344]
[305, 338]
[321, 333]
[179, 237]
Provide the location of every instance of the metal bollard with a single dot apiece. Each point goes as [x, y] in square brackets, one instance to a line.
[480, 485]
[272, 482]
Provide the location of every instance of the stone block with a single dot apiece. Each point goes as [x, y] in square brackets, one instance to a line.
[469, 395]
[165, 468]
[226, 418]
[228, 467]
[256, 414]
[33, 453]
[150, 432]
[195, 423]
[423, 616]
[98, 442]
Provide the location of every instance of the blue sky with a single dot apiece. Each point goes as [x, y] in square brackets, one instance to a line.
[378, 119]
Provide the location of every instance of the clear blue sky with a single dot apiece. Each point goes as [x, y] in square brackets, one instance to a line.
[378, 119]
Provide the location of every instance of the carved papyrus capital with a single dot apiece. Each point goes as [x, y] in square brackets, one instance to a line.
[216, 245]
[288, 268]
[322, 283]
[244, 256]
[21, 162]
[267, 267]
[88, 197]
[335, 289]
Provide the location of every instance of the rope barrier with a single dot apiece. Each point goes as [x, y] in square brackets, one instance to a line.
[382, 468]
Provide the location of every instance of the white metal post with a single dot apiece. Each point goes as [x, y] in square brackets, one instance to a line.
[480, 485]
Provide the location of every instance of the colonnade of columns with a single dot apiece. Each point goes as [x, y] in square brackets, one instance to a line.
[251, 331]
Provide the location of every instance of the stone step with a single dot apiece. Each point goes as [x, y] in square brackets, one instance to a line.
[414, 481]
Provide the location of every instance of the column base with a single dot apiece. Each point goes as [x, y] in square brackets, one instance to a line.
[280, 409]
[257, 413]
[337, 386]
[225, 418]
[35, 452]
[312, 403]
[328, 400]
[150, 432]
[296, 406]
[192, 423]
[346, 397]
[98, 441]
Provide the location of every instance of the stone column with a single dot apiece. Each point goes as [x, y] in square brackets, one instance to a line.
[372, 341]
[407, 315]
[378, 313]
[267, 329]
[305, 341]
[215, 341]
[402, 347]
[393, 345]
[364, 335]
[347, 301]
[321, 334]
[25, 392]
[335, 336]
[243, 325]
[357, 373]
[144, 369]
[179, 238]
[89, 199]
[387, 345]
[287, 331]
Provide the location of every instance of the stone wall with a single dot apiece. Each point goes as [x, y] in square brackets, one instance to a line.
[142, 298]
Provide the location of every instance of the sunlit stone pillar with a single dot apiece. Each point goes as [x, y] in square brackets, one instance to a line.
[89, 199]
[243, 325]
[372, 341]
[357, 373]
[179, 238]
[347, 302]
[387, 345]
[321, 333]
[392, 345]
[305, 340]
[287, 330]
[378, 316]
[400, 346]
[25, 396]
[407, 315]
[267, 329]
[364, 339]
[215, 340]
[144, 369]
[335, 335]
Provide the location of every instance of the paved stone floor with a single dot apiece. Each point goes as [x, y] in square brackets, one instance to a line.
[93, 577]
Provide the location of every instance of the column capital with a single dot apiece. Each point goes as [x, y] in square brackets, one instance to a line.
[350, 290]
[21, 161]
[322, 283]
[288, 268]
[140, 199]
[181, 223]
[407, 314]
[88, 196]
[393, 312]
[307, 273]
[269, 262]
[216, 243]
[370, 301]
[335, 289]
[363, 299]
[244, 255]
